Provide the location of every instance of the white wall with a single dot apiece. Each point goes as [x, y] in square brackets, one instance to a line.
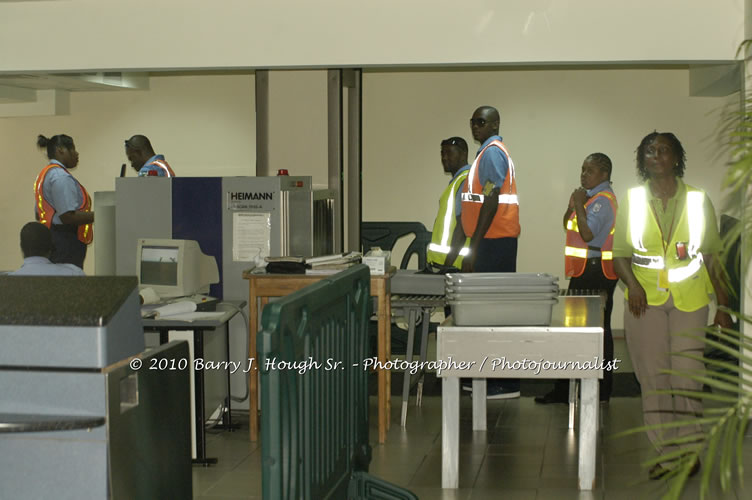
[76, 35]
[298, 123]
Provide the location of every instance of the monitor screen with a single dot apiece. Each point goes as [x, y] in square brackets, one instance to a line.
[159, 265]
[174, 268]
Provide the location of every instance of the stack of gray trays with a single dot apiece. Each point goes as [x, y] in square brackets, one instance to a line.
[501, 299]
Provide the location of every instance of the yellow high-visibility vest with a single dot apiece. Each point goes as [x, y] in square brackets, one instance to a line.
[686, 279]
[443, 226]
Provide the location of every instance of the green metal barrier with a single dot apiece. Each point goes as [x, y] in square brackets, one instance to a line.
[314, 417]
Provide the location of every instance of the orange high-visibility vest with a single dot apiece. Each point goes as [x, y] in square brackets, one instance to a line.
[45, 211]
[575, 253]
[506, 222]
[164, 166]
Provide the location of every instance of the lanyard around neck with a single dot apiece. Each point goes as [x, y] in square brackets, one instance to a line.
[664, 237]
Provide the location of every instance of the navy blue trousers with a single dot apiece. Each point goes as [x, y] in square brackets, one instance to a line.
[68, 250]
[498, 255]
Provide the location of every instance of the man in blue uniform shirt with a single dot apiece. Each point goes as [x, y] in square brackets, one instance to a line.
[141, 154]
[490, 217]
[36, 245]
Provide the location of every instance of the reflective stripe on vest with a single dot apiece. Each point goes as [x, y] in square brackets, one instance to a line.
[688, 281]
[164, 166]
[504, 199]
[576, 249]
[445, 249]
[443, 227]
[471, 177]
[44, 211]
[575, 252]
[506, 221]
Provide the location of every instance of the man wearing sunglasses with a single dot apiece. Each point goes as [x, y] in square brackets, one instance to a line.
[490, 214]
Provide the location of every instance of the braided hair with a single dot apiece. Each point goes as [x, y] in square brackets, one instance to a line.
[676, 146]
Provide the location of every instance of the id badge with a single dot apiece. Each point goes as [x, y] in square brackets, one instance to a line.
[681, 250]
[663, 280]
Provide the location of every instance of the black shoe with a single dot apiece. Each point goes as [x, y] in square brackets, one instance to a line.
[499, 391]
[552, 397]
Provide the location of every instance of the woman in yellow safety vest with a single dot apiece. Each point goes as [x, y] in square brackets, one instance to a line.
[665, 241]
[61, 203]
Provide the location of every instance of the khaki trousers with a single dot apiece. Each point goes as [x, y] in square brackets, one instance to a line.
[651, 339]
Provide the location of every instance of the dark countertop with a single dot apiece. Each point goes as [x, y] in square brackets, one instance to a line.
[13, 422]
[62, 300]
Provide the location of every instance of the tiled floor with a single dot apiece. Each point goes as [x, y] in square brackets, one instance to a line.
[528, 453]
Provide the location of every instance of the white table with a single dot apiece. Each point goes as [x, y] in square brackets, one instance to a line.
[575, 335]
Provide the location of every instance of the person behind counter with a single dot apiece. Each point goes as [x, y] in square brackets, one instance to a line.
[61, 203]
[141, 154]
[490, 216]
[588, 260]
[36, 246]
[448, 241]
[665, 245]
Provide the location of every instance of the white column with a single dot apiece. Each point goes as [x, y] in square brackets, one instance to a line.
[587, 432]
[450, 432]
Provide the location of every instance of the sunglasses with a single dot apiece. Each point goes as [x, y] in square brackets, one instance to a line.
[477, 121]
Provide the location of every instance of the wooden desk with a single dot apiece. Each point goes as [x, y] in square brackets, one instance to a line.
[263, 286]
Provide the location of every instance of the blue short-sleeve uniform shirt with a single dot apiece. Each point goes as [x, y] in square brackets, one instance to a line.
[149, 167]
[600, 217]
[493, 165]
[62, 191]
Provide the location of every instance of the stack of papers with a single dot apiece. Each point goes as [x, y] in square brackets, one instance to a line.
[183, 310]
[330, 264]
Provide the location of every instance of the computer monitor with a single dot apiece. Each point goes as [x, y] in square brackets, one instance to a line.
[174, 268]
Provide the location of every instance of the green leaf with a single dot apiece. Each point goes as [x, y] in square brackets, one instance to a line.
[697, 395]
[727, 452]
[716, 362]
[709, 461]
[731, 336]
[688, 439]
[744, 416]
[665, 458]
[667, 425]
[705, 379]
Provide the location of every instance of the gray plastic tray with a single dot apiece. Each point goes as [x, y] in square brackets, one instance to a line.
[500, 297]
[503, 279]
[511, 289]
[406, 281]
[510, 313]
